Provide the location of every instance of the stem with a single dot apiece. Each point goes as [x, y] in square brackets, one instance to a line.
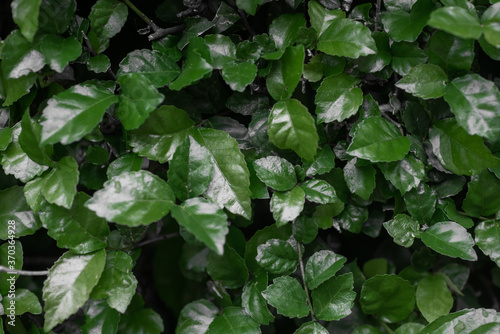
[303, 274]
[377, 14]
[157, 239]
[387, 328]
[4, 269]
[480, 217]
[393, 122]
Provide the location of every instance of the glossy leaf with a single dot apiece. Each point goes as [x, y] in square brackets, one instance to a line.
[55, 15]
[205, 220]
[59, 186]
[25, 15]
[222, 50]
[404, 26]
[233, 321]
[405, 56]
[100, 317]
[277, 257]
[284, 29]
[486, 236]
[319, 191]
[426, 81]
[129, 162]
[324, 161]
[466, 320]
[359, 179]
[458, 151]
[322, 266]
[239, 75]
[311, 327]
[249, 6]
[450, 239]
[99, 63]
[321, 17]
[347, 38]
[196, 316]
[433, 297]
[288, 297]
[387, 296]
[352, 218]
[25, 302]
[13, 207]
[403, 229]
[68, 285]
[421, 202]
[292, 127]
[275, 172]
[334, 299]
[228, 268]
[77, 228]
[449, 52]
[133, 199]
[5, 138]
[10, 252]
[253, 302]
[287, 206]
[338, 98]
[305, 229]
[58, 52]
[376, 139]
[405, 174]
[475, 102]
[20, 57]
[456, 21]
[286, 73]
[482, 195]
[107, 17]
[29, 140]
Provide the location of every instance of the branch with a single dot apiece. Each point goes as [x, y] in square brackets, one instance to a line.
[302, 273]
[4, 269]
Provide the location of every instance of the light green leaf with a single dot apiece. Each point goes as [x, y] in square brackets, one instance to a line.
[239, 75]
[275, 172]
[322, 266]
[319, 191]
[25, 15]
[233, 320]
[404, 26]
[196, 316]
[450, 52]
[154, 65]
[321, 17]
[68, 285]
[433, 297]
[388, 297]
[456, 21]
[347, 38]
[287, 206]
[100, 317]
[426, 81]
[138, 98]
[447, 205]
[249, 6]
[458, 151]
[421, 202]
[133, 199]
[117, 283]
[277, 257]
[311, 327]
[466, 321]
[475, 102]
[253, 302]
[292, 127]
[405, 174]
[405, 56]
[376, 139]
[482, 196]
[59, 186]
[128, 162]
[359, 179]
[77, 229]
[205, 220]
[288, 297]
[190, 170]
[286, 73]
[334, 299]
[13, 207]
[20, 57]
[403, 229]
[72, 114]
[58, 52]
[338, 98]
[284, 29]
[487, 234]
[450, 239]
[107, 17]
[25, 302]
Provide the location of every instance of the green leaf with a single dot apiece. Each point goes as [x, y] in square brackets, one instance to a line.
[359, 179]
[292, 127]
[157, 68]
[190, 171]
[17, 88]
[77, 228]
[275, 172]
[475, 101]
[128, 162]
[487, 234]
[338, 98]
[222, 50]
[458, 151]
[323, 215]
[140, 320]
[159, 136]
[334, 299]
[324, 161]
[321, 17]
[60, 184]
[99, 63]
[464, 320]
[25, 15]
[253, 302]
[97, 155]
[58, 52]
[482, 196]
[353, 217]
[230, 185]
[311, 327]
[409, 328]
[196, 316]
[284, 29]
[72, 114]
[277, 257]
[239, 75]
[25, 302]
[233, 320]
[13, 207]
[29, 140]
[287, 206]
[449, 52]
[450, 239]
[5, 138]
[403, 229]
[404, 26]
[10, 252]
[100, 317]
[322, 266]
[305, 229]
[426, 81]
[107, 17]
[68, 285]
[376, 62]
[448, 207]
[421, 202]
[55, 15]
[228, 268]
[433, 297]
[133, 199]
[249, 6]
[286, 73]
[388, 297]
[405, 56]
[404, 5]
[205, 220]
[20, 57]
[347, 38]
[288, 297]
[319, 191]
[487, 328]
[405, 174]
[376, 139]
[117, 283]
[456, 21]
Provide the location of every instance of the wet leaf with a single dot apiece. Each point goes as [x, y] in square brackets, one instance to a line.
[450, 239]
[456, 21]
[277, 256]
[288, 297]
[426, 81]
[228, 268]
[59, 186]
[404, 26]
[334, 299]
[196, 316]
[233, 321]
[405, 56]
[486, 234]
[482, 195]
[359, 179]
[403, 229]
[287, 206]
[58, 52]
[321, 266]
[286, 73]
[25, 15]
[275, 172]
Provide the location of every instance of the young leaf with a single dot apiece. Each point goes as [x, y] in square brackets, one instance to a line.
[486, 234]
[133, 199]
[277, 257]
[286, 206]
[288, 296]
[286, 73]
[359, 179]
[322, 266]
[433, 297]
[403, 229]
[233, 320]
[334, 299]
[196, 316]
[426, 81]
[275, 172]
[450, 239]
[59, 186]
[456, 21]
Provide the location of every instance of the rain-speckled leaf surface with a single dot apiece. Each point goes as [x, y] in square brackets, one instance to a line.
[233, 320]
[450, 239]
[133, 199]
[319, 191]
[403, 229]
[196, 316]
[487, 234]
[456, 21]
[288, 296]
[277, 256]
[334, 299]
[275, 172]
[286, 206]
[321, 266]
[426, 81]
[466, 320]
[433, 297]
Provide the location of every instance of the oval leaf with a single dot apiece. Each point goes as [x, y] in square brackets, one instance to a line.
[450, 239]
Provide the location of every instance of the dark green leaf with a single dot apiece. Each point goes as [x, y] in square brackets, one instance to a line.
[239, 75]
[59, 186]
[25, 302]
[275, 172]
[426, 81]
[97, 155]
[33, 193]
[456, 21]
[421, 202]
[25, 15]
[234, 320]
[450, 239]
[260, 237]
[141, 320]
[284, 29]
[196, 316]
[99, 63]
[448, 207]
[321, 266]
[288, 296]
[353, 217]
[5, 138]
[13, 207]
[29, 139]
[404, 5]
[253, 302]
[286, 73]
[388, 297]
[404, 26]
[228, 268]
[359, 179]
[129, 162]
[324, 161]
[107, 17]
[10, 252]
[99, 317]
[58, 52]
[286, 206]
[433, 297]
[222, 50]
[323, 215]
[277, 257]
[311, 327]
[409, 328]
[403, 229]
[405, 56]
[487, 236]
[482, 196]
[249, 6]
[319, 191]
[334, 299]
[305, 229]
[405, 174]
[376, 62]
[321, 17]
[450, 52]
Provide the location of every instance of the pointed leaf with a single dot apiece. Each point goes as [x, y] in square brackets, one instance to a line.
[25, 15]
[450, 239]
[433, 297]
[99, 317]
[29, 139]
[321, 266]
[58, 52]
[487, 235]
[319, 191]
[107, 17]
[228, 268]
[249, 6]
[405, 174]
[426, 81]
[288, 297]
[275, 172]
[467, 321]
[359, 179]
[55, 16]
[196, 66]
[456, 21]
[284, 29]
[60, 184]
[13, 207]
[450, 52]
[334, 299]
[233, 320]
[20, 57]
[405, 56]
[277, 257]
[403, 26]
[482, 196]
[239, 75]
[25, 302]
[196, 316]
[403, 229]
[286, 73]
[286, 206]
[321, 18]
[421, 202]
[253, 302]
[323, 162]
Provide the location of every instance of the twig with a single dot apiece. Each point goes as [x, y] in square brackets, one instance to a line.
[4, 269]
[157, 31]
[156, 239]
[393, 122]
[302, 273]
[93, 53]
[387, 328]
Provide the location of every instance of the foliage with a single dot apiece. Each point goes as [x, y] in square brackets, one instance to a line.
[298, 166]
